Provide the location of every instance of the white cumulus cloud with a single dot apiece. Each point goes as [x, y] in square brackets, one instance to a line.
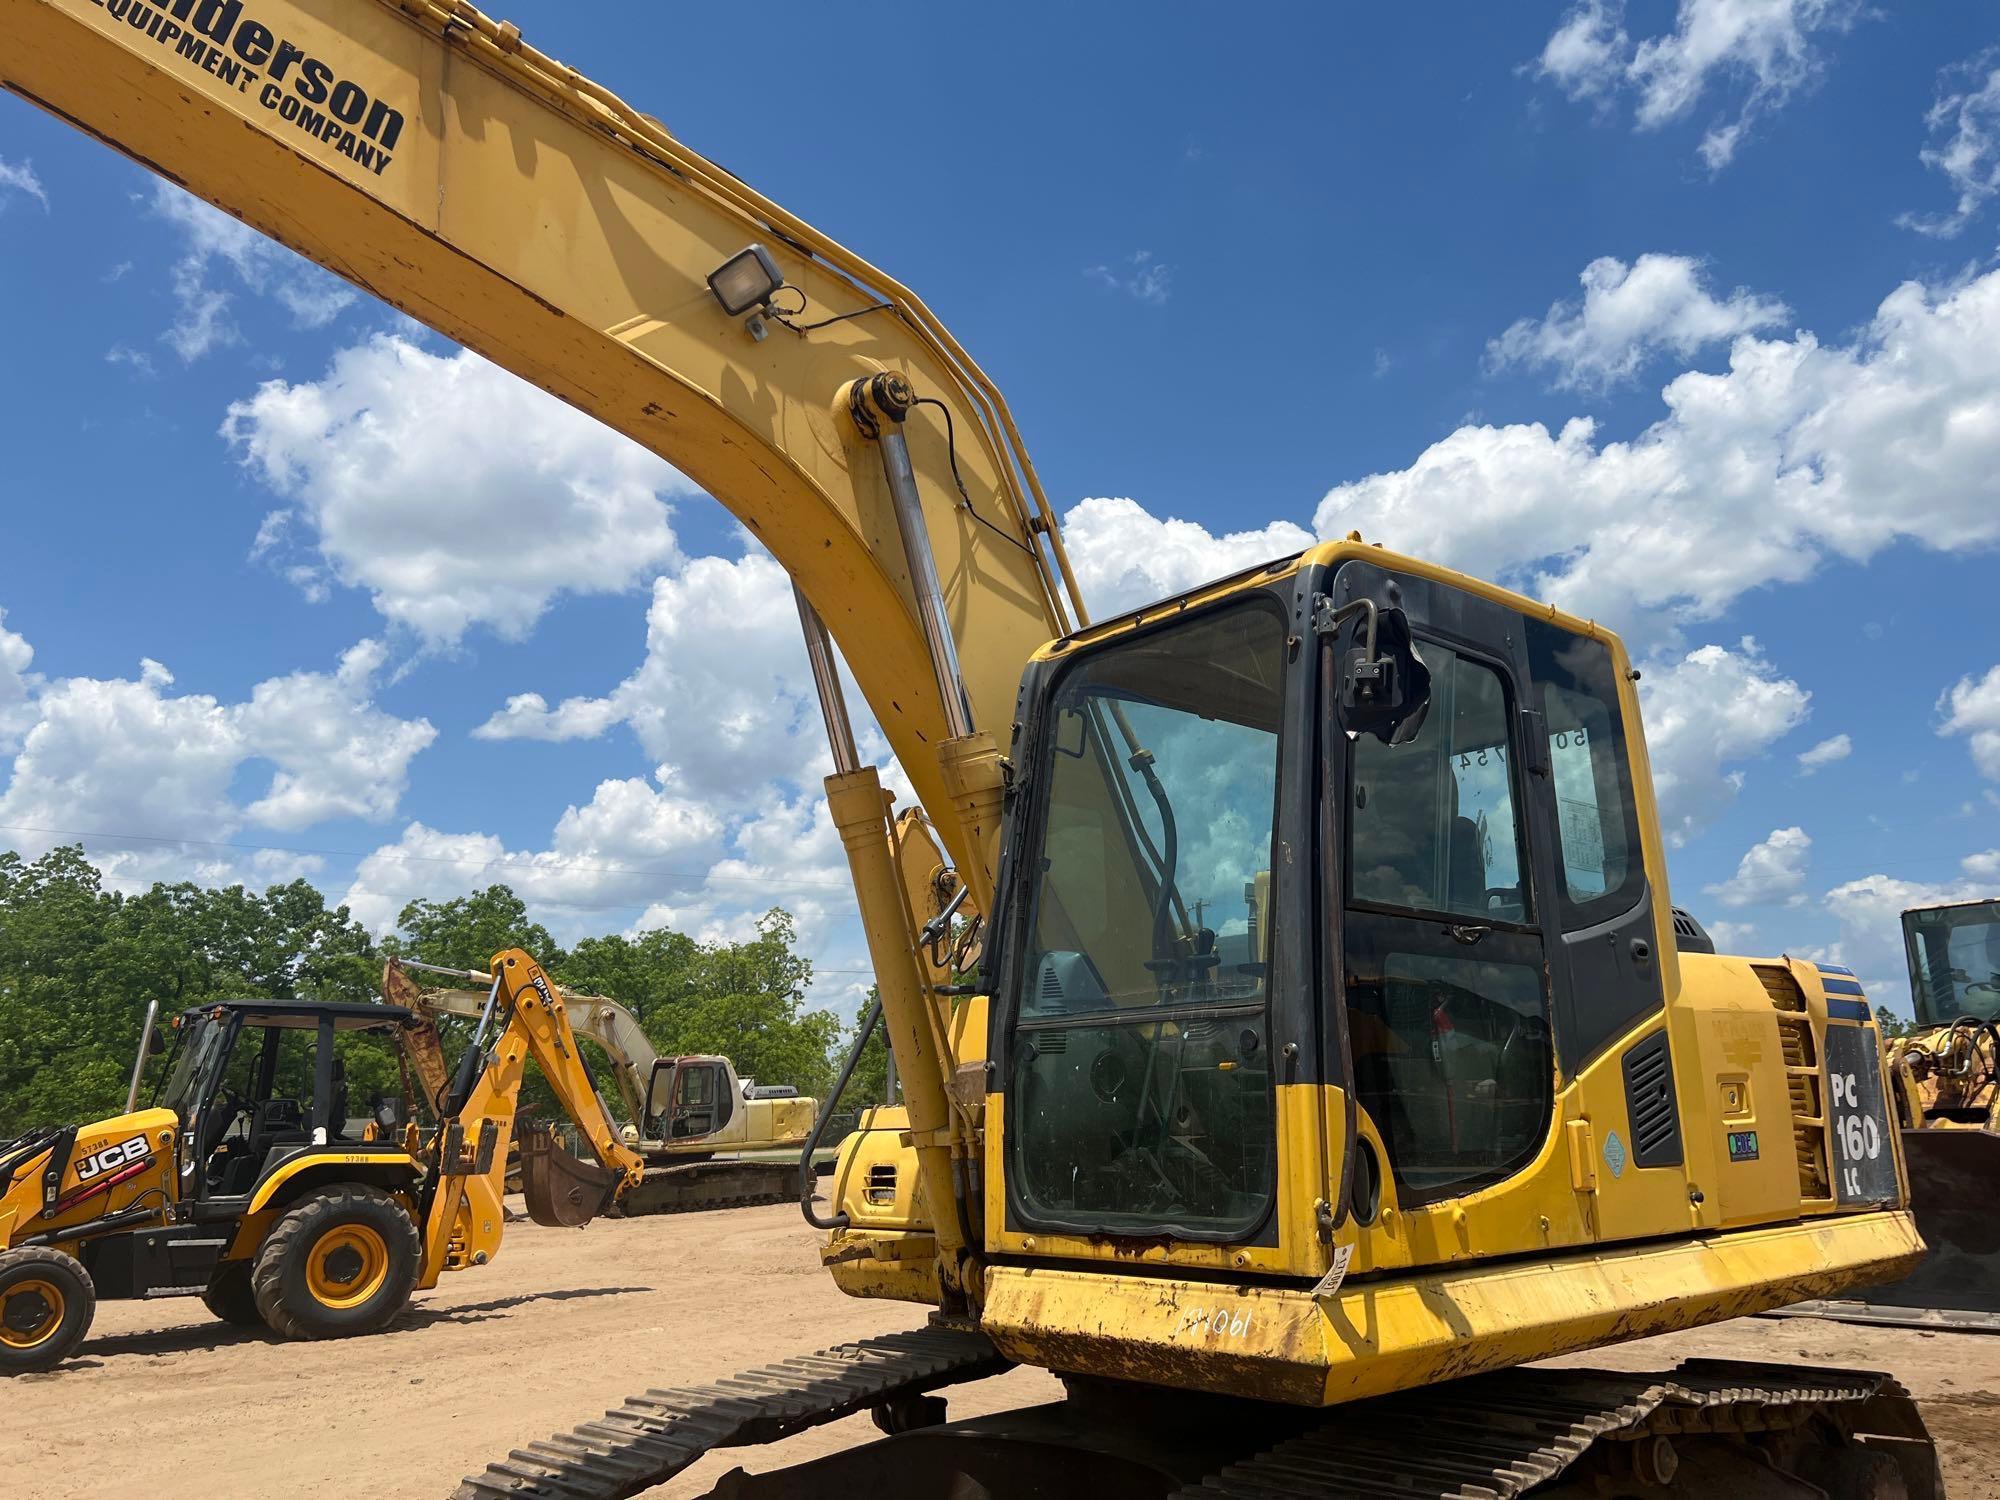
[211, 239]
[1825, 753]
[456, 494]
[1964, 126]
[1799, 452]
[18, 686]
[1627, 315]
[1756, 54]
[19, 177]
[151, 775]
[1707, 713]
[1971, 707]
[1125, 556]
[1769, 872]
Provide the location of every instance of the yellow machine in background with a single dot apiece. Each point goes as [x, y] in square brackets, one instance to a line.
[1947, 1074]
[710, 1139]
[248, 1182]
[1289, 1019]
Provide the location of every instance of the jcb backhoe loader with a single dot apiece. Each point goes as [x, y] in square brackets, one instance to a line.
[709, 1139]
[1323, 1049]
[246, 1179]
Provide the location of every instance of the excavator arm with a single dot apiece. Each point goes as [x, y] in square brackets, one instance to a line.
[603, 1021]
[524, 1016]
[431, 157]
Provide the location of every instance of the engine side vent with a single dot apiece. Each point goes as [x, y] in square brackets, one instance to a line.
[881, 1186]
[1051, 1041]
[1651, 1105]
[1802, 1080]
[1689, 935]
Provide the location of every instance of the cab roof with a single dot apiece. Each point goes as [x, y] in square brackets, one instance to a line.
[305, 1015]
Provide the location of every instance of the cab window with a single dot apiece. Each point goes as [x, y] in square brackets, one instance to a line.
[1599, 860]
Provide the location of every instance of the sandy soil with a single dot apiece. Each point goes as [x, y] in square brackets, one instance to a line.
[164, 1401]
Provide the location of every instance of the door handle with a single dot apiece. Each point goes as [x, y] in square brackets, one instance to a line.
[1468, 933]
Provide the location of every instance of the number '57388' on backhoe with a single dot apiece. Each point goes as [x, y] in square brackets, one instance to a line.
[247, 1181]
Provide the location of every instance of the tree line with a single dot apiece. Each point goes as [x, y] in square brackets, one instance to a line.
[79, 963]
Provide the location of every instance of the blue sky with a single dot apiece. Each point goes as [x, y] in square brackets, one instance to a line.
[1684, 315]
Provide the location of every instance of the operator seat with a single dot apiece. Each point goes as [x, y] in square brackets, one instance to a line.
[1465, 874]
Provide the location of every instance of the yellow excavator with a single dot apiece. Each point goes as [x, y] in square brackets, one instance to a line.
[247, 1179]
[1292, 1029]
[709, 1138]
[1947, 1077]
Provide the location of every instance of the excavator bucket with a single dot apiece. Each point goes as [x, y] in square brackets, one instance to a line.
[561, 1191]
[1955, 1193]
[1955, 1190]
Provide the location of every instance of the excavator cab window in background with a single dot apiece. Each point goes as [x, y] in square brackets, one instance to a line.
[1954, 954]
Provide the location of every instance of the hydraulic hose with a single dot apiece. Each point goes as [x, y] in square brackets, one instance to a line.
[807, 1176]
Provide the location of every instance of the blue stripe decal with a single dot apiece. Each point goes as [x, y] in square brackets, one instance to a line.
[1834, 969]
[1840, 987]
[1847, 1010]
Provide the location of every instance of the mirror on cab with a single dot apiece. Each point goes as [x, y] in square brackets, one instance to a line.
[1385, 688]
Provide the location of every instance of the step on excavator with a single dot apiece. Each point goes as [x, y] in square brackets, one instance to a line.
[709, 1138]
[1310, 1046]
[247, 1180]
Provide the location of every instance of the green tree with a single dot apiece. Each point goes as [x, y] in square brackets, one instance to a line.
[466, 931]
[1892, 1024]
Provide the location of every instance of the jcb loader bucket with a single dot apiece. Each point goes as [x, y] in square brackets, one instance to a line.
[561, 1191]
[1955, 1191]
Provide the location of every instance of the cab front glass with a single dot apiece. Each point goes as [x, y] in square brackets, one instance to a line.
[1140, 1096]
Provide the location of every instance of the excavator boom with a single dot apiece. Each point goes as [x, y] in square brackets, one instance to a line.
[434, 159]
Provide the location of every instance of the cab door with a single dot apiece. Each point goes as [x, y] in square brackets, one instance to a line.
[1445, 957]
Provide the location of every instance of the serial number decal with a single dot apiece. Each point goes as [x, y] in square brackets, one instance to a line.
[300, 89]
[1215, 1322]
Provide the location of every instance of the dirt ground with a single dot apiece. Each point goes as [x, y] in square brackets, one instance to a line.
[164, 1401]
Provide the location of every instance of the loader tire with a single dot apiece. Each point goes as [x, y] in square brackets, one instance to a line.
[230, 1296]
[340, 1262]
[47, 1300]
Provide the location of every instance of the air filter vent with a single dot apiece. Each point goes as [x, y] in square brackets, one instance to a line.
[1651, 1105]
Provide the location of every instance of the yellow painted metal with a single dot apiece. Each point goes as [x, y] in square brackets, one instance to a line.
[274, 1186]
[860, 811]
[35, 1334]
[142, 1139]
[347, 1265]
[465, 1221]
[1371, 1337]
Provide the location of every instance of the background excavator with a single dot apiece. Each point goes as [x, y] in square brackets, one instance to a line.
[709, 1138]
[246, 1179]
[1310, 1043]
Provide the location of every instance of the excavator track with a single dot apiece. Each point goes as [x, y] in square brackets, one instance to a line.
[653, 1437]
[1503, 1435]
